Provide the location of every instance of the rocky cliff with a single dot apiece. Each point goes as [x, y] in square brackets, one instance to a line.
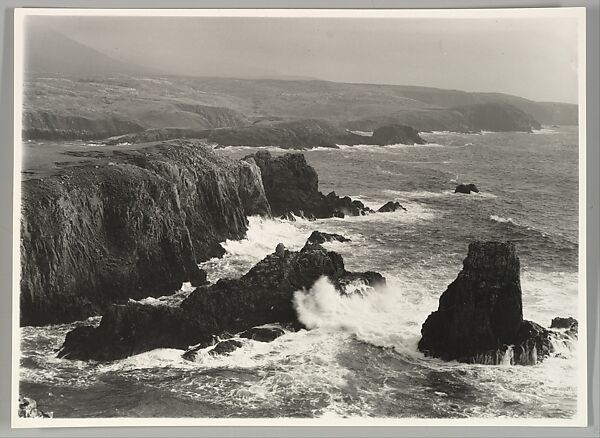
[297, 134]
[477, 117]
[480, 315]
[50, 125]
[263, 295]
[129, 224]
[292, 186]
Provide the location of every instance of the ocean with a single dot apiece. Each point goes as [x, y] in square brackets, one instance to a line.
[359, 356]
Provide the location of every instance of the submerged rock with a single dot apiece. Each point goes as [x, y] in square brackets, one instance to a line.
[225, 347]
[318, 237]
[480, 314]
[263, 295]
[390, 207]
[28, 409]
[466, 188]
[264, 333]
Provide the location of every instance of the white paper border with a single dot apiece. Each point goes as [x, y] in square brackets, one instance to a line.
[579, 420]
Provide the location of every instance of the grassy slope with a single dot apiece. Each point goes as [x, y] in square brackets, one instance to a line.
[202, 103]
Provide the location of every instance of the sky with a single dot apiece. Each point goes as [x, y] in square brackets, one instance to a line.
[529, 57]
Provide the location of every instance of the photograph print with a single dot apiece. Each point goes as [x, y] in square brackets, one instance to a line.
[299, 217]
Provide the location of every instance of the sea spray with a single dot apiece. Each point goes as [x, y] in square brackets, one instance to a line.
[262, 237]
[379, 316]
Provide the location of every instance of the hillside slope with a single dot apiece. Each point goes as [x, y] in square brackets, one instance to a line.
[99, 107]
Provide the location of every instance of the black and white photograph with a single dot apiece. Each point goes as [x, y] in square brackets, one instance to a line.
[299, 217]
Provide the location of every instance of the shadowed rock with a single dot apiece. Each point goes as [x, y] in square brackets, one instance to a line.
[466, 188]
[28, 409]
[263, 295]
[390, 207]
[570, 326]
[563, 323]
[292, 186]
[132, 224]
[480, 314]
[318, 237]
[225, 347]
[265, 333]
[395, 134]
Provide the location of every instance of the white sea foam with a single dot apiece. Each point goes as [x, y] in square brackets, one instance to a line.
[538, 286]
[502, 220]
[386, 148]
[262, 237]
[544, 131]
[381, 317]
[423, 194]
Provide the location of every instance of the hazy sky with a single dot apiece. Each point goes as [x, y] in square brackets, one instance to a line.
[528, 57]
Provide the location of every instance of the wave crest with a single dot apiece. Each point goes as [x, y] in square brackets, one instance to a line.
[380, 317]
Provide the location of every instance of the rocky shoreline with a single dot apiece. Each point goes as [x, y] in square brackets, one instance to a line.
[262, 295]
[297, 134]
[128, 225]
[136, 223]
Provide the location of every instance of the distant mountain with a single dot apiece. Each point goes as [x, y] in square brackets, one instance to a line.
[48, 52]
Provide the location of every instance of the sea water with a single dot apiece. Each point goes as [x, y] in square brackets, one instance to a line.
[359, 355]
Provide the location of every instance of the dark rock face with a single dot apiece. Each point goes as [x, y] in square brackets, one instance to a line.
[47, 125]
[225, 347]
[296, 134]
[266, 333]
[130, 225]
[570, 325]
[481, 312]
[390, 207]
[466, 188]
[563, 323]
[292, 186]
[396, 134]
[498, 117]
[263, 295]
[319, 237]
[28, 409]
[306, 134]
[127, 329]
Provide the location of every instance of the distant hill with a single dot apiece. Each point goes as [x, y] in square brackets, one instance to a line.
[74, 91]
[48, 52]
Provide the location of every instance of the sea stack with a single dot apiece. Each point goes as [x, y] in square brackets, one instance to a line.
[480, 315]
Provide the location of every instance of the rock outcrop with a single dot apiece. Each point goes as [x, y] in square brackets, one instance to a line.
[50, 125]
[569, 325]
[292, 186]
[395, 134]
[28, 409]
[318, 237]
[263, 295]
[466, 188]
[480, 315]
[263, 333]
[129, 224]
[498, 117]
[307, 134]
[390, 207]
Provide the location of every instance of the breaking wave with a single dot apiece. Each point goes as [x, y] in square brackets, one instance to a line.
[381, 317]
[502, 220]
